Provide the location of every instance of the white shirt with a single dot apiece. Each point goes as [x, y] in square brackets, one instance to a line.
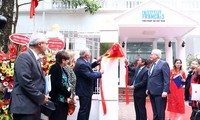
[35, 54]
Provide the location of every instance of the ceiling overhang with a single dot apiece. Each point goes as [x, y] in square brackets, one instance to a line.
[153, 20]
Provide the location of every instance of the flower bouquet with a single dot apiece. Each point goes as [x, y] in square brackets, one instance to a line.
[7, 77]
[4, 114]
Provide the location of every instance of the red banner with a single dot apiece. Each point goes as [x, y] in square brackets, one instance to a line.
[34, 4]
[56, 44]
[19, 39]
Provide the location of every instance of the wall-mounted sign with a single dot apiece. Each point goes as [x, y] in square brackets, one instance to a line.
[19, 39]
[153, 16]
[55, 44]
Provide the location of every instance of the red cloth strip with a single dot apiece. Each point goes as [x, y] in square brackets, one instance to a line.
[102, 98]
[34, 4]
[126, 80]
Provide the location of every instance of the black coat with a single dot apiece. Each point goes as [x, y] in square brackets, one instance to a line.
[56, 83]
[187, 84]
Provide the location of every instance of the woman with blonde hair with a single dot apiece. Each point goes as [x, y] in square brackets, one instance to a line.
[72, 80]
[72, 58]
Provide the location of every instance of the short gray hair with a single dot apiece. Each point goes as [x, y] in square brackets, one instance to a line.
[84, 52]
[36, 38]
[157, 52]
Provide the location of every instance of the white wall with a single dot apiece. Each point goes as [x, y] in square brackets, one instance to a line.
[80, 22]
[94, 113]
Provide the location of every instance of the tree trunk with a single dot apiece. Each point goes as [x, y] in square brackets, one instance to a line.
[7, 11]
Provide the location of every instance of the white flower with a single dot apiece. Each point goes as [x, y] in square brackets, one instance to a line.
[5, 83]
[12, 65]
[2, 77]
[4, 107]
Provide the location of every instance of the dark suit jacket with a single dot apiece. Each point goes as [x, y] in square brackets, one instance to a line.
[85, 77]
[131, 73]
[141, 82]
[56, 83]
[187, 84]
[29, 85]
[158, 81]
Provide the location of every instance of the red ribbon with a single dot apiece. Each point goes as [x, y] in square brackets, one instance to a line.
[114, 52]
[126, 79]
[102, 95]
[102, 98]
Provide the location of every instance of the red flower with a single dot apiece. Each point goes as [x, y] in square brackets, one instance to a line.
[23, 48]
[1, 104]
[44, 60]
[7, 101]
[12, 78]
[7, 78]
[12, 48]
[2, 55]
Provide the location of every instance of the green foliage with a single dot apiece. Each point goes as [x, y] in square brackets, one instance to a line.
[104, 47]
[91, 6]
[189, 60]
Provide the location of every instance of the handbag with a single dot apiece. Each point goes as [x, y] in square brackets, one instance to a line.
[71, 107]
[48, 108]
[197, 115]
[194, 111]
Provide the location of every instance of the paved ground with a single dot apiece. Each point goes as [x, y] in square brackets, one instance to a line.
[126, 112]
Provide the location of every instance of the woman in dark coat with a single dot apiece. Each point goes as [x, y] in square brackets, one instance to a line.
[60, 86]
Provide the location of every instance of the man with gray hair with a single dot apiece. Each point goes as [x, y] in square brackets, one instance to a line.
[84, 85]
[29, 82]
[158, 84]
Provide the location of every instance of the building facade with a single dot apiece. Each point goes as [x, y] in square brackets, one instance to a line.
[142, 25]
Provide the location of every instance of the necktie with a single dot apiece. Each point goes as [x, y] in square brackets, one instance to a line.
[154, 64]
[39, 63]
[138, 72]
[136, 76]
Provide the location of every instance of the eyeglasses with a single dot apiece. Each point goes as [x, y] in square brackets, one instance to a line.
[45, 43]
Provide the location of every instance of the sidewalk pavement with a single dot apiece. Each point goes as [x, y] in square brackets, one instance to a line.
[126, 111]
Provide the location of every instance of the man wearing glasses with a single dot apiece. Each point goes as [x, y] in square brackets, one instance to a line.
[29, 81]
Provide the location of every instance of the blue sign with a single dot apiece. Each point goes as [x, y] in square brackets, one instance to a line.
[153, 16]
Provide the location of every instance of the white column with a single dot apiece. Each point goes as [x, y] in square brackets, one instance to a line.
[181, 51]
[66, 40]
[80, 44]
[154, 44]
[110, 89]
[122, 67]
[168, 52]
[109, 80]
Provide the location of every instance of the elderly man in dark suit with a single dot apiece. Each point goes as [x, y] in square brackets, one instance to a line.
[29, 84]
[139, 85]
[85, 78]
[158, 84]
